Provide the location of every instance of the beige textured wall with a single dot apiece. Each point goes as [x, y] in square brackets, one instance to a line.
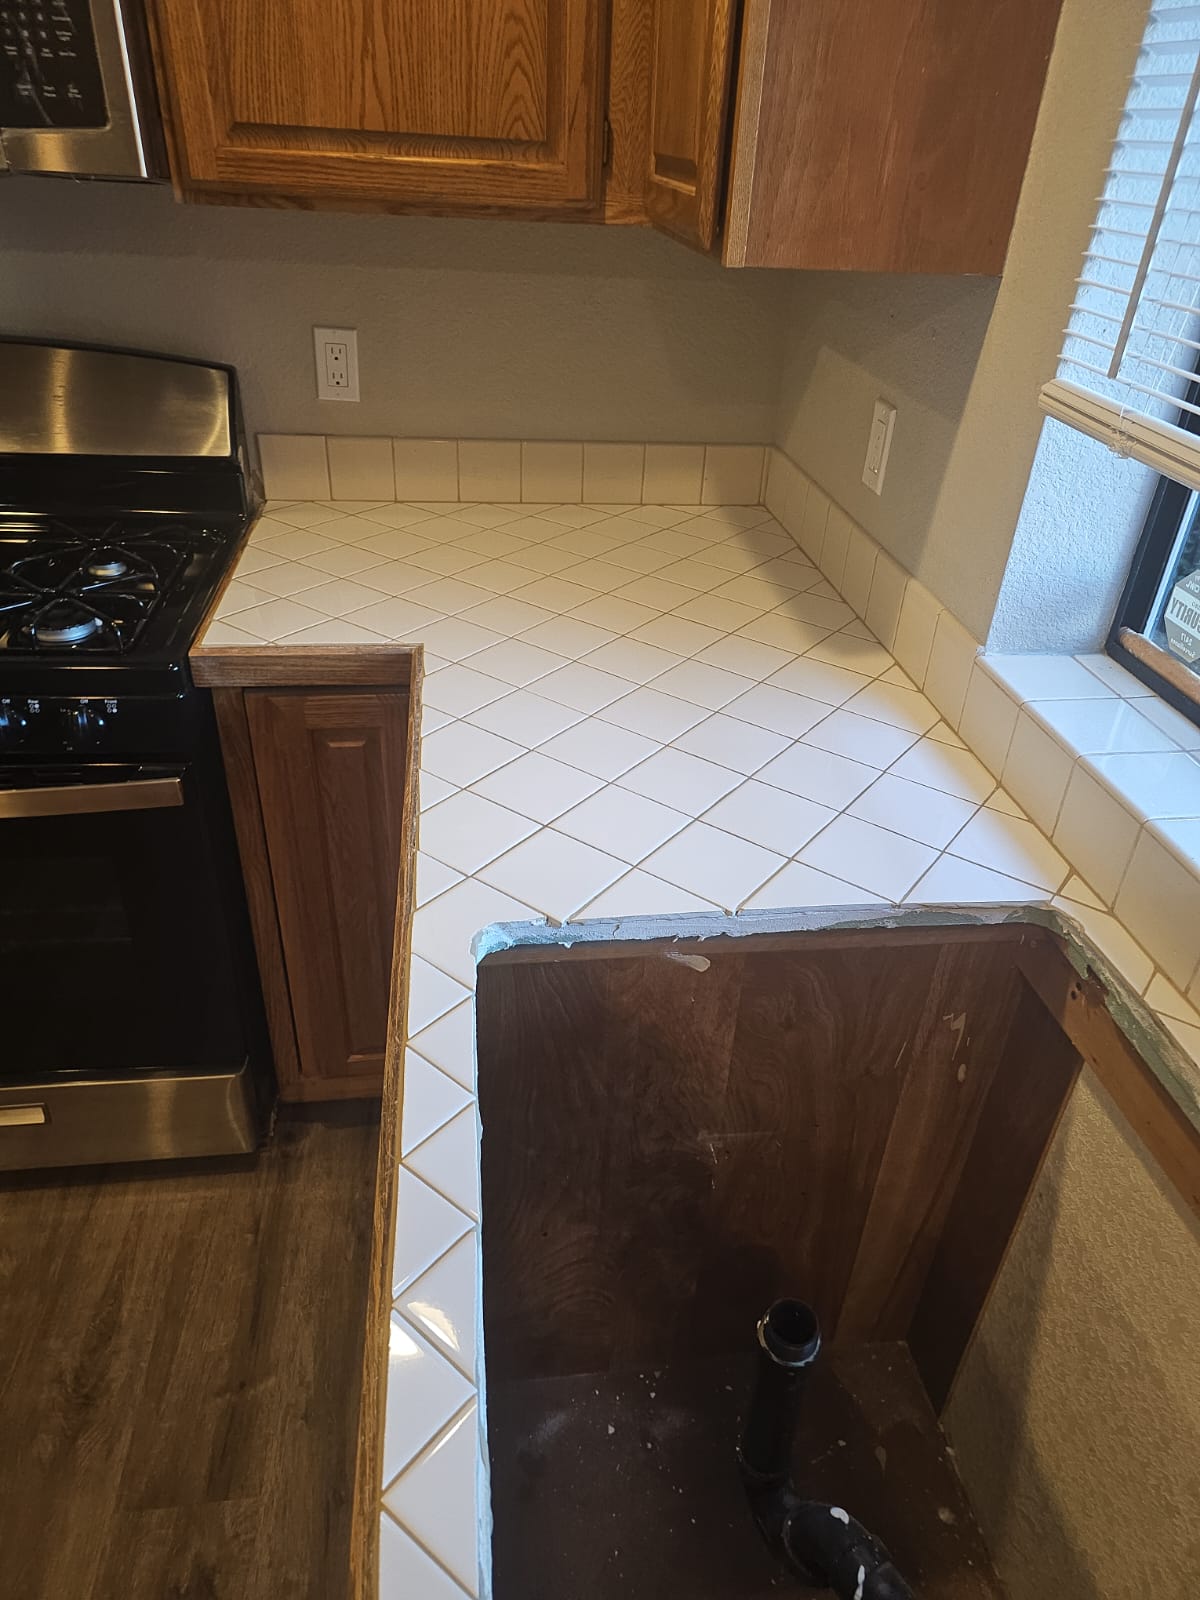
[1077, 1415]
[487, 329]
[966, 390]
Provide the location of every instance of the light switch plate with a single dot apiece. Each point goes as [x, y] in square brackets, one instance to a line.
[879, 445]
[336, 353]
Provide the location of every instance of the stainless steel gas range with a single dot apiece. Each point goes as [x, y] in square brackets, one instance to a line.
[133, 1026]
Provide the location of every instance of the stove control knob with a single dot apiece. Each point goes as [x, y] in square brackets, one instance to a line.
[13, 721]
[85, 719]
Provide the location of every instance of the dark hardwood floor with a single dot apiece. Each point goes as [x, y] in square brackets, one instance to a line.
[180, 1360]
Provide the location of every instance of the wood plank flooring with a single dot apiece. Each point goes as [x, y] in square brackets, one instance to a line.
[180, 1361]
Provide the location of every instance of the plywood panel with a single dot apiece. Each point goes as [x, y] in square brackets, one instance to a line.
[670, 1143]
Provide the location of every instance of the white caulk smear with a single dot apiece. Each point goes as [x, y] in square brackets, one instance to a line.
[862, 1578]
[842, 1516]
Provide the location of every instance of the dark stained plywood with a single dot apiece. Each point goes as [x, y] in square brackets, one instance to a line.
[180, 1361]
[626, 1483]
[1012, 1134]
[673, 1138]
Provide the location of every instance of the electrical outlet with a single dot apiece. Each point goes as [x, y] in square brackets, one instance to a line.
[879, 445]
[336, 351]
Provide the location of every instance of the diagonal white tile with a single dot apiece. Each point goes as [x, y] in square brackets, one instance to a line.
[541, 787]
[928, 815]
[525, 717]
[640, 894]
[714, 864]
[732, 743]
[405, 1570]
[770, 817]
[886, 864]
[467, 831]
[799, 885]
[1011, 846]
[450, 1043]
[449, 1161]
[655, 715]
[435, 1497]
[430, 992]
[461, 753]
[768, 706]
[600, 748]
[423, 1392]
[623, 823]
[431, 1098]
[875, 744]
[820, 775]
[426, 1226]
[681, 780]
[554, 873]
[442, 1303]
[443, 930]
[458, 690]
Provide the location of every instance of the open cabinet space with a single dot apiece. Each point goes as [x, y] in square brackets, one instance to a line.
[676, 1134]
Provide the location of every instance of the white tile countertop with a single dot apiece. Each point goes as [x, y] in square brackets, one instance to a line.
[628, 711]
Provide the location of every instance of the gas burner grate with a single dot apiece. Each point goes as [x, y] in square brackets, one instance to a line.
[78, 587]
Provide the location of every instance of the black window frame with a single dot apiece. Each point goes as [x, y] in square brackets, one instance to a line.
[1160, 533]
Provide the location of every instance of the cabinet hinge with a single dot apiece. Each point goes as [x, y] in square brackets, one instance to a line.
[608, 144]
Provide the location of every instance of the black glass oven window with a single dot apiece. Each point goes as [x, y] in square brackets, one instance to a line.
[114, 949]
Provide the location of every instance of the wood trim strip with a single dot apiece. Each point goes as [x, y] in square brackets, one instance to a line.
[1080, 1007]
[229, 706]
[1161, 661]
[278, 666]
[743, 160]
[368, 1476]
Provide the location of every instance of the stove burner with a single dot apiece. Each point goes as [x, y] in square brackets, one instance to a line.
[64, 624]
[107, 566]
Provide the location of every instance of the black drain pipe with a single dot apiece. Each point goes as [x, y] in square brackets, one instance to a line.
[822, 1544]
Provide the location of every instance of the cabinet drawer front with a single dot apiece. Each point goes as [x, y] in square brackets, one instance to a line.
[448, 102]
[330, 773]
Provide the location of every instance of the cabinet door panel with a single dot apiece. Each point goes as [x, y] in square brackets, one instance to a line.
[690, 67]
[478, 103]
[330, 771]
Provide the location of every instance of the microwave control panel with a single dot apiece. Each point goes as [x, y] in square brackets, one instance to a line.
[49, 69]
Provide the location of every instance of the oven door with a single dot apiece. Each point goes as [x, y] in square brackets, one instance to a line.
[114, 953]
[122, 969]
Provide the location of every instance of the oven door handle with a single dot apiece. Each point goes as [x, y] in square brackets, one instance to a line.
[73, 800]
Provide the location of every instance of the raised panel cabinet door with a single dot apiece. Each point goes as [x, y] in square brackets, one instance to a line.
[434, 103]
[691, 59]
[330, 771]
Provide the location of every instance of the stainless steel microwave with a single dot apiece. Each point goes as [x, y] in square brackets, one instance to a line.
[77, 90]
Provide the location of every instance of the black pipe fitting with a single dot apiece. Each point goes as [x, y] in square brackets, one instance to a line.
[822, 1544]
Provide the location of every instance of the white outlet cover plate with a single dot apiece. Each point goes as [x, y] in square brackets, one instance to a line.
[879, 445]
[327, 387]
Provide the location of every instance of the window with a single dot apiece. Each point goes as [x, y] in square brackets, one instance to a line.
[1131, 350]
[1156, 630]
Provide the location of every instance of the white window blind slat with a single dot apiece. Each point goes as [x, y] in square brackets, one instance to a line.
[1131, 347]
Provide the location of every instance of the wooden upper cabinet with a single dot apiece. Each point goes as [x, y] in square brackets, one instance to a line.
[883, 135]
[691, 55]
[433, 104]
[330, 770]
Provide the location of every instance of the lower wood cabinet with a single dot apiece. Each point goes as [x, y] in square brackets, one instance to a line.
[318, 763]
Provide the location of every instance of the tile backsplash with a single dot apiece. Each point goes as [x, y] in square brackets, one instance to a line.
[313, 466]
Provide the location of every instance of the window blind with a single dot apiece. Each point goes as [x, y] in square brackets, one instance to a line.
[1132, 345]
